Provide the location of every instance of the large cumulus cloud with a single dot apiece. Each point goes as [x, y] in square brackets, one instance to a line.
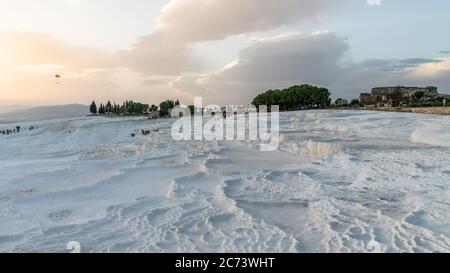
[272, 63]
[206, 20]
[318, 58]
[184, 22]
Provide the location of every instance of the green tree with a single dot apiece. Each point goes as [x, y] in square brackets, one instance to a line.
[153, 108]
[418, 95]
[355, 102]
[93, 108]
[164, 108]
[295, 98]
[397, 98]
[437, 103]
[108, 108]
[101, 109]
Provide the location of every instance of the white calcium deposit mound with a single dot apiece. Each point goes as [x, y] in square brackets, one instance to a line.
[322, 149]
[340, 182]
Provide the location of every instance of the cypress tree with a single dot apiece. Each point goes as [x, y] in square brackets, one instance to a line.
[93, 108]
[108, 108]
[101, 110]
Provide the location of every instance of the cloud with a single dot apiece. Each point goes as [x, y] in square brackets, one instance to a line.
[318, 58]
[167, 51]
[28, 48]
[153, 55]
[389, 65]
[29, 62]
[278, 59]
[272, 63]
[439, 70]
[189, 21]
[374, 2]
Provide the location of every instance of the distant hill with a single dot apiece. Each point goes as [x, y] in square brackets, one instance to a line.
[45, 112]
[10, 108]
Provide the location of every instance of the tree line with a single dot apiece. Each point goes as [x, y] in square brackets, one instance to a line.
[298, 97]
[132, 108]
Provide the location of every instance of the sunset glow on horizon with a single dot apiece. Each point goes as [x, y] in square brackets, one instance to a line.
[225, 51]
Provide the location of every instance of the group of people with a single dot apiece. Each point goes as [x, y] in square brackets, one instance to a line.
[13, 131]
[144, 132]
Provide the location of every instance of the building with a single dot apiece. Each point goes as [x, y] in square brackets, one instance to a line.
[386, 95]
[367, 98]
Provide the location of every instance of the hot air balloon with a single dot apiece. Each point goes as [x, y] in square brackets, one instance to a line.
[57, 77]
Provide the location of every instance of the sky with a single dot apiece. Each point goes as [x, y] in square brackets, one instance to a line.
[226, 51]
